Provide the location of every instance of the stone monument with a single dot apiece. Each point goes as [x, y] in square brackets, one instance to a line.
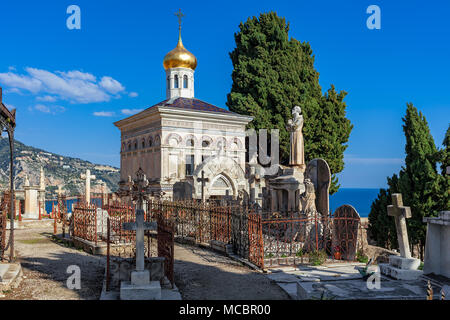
[87, 190]
[297, 151]
[437, 247]
[31, 200]
[140, 287]
[402, 267]
[319, 173]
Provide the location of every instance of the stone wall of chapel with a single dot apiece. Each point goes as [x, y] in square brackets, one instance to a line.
[141, 149]
[161, 151]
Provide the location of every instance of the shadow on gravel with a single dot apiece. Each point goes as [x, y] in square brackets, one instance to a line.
[56, 265]
[224, 280]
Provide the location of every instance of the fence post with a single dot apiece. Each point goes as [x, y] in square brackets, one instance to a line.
[108, 235]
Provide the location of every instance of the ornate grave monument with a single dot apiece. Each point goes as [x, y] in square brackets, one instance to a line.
[140, 287]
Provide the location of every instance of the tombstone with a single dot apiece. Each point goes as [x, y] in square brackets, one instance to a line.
[31, 201]
[437, 247]
[401, 267]
[346, 222]
[102, 222]
[319, 173]
[182, 190]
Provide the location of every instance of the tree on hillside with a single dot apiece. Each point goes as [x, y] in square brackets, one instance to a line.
[271, 75]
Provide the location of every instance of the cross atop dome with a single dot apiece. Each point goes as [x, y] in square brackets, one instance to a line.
[179, 65]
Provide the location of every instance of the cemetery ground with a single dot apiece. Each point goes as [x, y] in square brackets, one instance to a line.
[200, 274]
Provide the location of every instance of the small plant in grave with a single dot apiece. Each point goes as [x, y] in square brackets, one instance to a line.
[317, 257]
[269, 255]
[283, 256]
[361, 257]
[300, 253]
[364, 272]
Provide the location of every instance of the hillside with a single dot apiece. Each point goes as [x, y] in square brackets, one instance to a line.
[58, 170]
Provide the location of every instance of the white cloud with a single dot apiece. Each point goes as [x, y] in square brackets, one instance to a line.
[48, 109]
[46, 99]
[42, 108]
[111, 85]
[131, 111]
[133, 94]
[20, 82]
[74, 86]
[104, 114]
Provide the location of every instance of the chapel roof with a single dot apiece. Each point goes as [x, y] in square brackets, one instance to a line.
[191, 104]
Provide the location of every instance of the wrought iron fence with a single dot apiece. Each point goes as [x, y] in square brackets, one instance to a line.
[196, 221]
[3, 220]
[84, 218]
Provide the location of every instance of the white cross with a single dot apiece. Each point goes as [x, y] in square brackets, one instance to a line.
[401, 213]
[87, 189]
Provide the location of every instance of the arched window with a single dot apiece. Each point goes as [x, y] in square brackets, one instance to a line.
[205, 144]
[189, 142]
[150, 142]
[143, 144]
[175, 81]
[185, 81]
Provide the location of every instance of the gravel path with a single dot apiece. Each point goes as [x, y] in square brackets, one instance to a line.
[201, 274]
[44, 265]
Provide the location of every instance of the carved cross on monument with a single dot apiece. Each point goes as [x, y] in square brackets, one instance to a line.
[138, 190]
[87, 188]
[401, 213]
[203, 180]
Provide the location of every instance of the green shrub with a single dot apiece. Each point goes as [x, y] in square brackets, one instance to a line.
[300, 253]
[317, 257]
[361, 257]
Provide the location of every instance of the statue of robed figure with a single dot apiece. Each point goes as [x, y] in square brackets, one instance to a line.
[297, 151]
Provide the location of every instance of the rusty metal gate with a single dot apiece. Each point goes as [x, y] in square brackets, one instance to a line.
[166, 249]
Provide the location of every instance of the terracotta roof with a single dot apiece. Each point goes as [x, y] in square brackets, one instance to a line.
[191, 104]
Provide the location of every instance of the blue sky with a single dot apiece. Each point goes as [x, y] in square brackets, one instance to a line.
[69, 86]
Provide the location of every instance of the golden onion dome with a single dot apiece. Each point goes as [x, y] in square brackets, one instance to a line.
[180, 58]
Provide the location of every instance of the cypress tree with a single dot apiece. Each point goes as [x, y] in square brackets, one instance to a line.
[271, 75]
[445, 162]
[419, 180]
[381, 226]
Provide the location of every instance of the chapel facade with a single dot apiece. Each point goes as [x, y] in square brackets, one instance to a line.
[188, 148]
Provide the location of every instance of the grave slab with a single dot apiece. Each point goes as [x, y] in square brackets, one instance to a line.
[150, 291]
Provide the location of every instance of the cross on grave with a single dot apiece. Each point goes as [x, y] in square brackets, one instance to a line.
[138, 190]
[87, 188]
[59, 191]
[401, 213]
[203, 180]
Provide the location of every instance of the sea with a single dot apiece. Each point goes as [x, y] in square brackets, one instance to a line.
[360, 199]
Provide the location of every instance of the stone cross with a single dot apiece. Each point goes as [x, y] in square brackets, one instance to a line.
[138, 190]
[401, 213]
[203, 180]
[87, 189]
